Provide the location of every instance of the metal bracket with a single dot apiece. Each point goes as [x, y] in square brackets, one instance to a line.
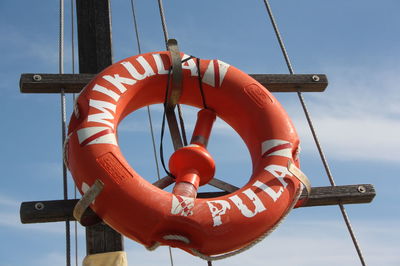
[84, 203]
[174, 93]
[177, 77]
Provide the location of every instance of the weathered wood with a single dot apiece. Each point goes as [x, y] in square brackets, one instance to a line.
[52, 83]
[48, 211]
[95, 54]
[164, 182]
[323, 196]
[215, 182]
[101, 238]
[293, 83]
[94, 35]
[60, 210]
[351, 194]
[74, 83]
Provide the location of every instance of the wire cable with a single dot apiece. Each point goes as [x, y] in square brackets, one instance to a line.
[166, 37]
[203, 97]
[313, 131]
[148, 107]
[63, 126]
[163, 22]
[72, 7]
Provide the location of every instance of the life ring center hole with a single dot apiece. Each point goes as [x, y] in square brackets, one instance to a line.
[232, 158]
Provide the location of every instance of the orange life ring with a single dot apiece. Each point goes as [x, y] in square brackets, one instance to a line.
[149, 215]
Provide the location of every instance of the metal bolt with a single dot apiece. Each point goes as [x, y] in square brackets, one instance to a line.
[39, 206]
[37, 77]
[361, 189]
[315, 78]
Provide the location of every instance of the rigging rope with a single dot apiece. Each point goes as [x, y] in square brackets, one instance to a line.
[181, 122]
[148, 107]
[72, 7]
[166, 37]
[314, 134]
[163, 22]
[63, 125]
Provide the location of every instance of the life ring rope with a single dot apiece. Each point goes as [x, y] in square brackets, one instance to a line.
[235, 252]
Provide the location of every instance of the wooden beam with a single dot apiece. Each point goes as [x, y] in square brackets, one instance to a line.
[74, 83]
[95, 54]
[94, 35]
[351, 194]
[60, 210]
[215, 182]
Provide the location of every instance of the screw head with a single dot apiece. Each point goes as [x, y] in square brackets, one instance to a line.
[37, 77]
[361, 189]
[39, 206]
[315, 78]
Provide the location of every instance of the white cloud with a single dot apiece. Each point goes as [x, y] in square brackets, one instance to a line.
[358, 117]
[49, 259]
[40, 49]
[372, 138]
[10, 219]
[7, 202]
[307, 242]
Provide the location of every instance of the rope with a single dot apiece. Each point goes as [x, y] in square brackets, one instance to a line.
[63, 126]
[182, 125]
[203, 97]
[314, 134]
[166, 37]
[163, 128]
[147, 107]
[163, 22]
[148, 110]
[163, 122]
[256, 241]
[72, 7]
[209, 259]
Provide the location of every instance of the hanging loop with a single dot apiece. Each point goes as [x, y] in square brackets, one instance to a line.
[175, 93]
[177, 78]
[293, 169]
[84, 203]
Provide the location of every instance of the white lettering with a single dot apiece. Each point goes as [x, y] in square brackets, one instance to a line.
[274, 195]
[279, 172]
[148, 71]
[107, 92]
[216, 212]
[160, 65]
[118, 82]
[105, 114]
[189, 64]
[258, 206]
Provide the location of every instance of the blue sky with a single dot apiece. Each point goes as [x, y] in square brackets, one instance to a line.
[356, 43]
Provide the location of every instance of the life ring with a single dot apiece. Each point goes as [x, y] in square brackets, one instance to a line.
[149, 215]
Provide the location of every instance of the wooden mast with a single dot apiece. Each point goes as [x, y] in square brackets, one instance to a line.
[95, 54]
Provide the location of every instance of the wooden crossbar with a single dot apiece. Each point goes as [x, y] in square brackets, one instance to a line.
[61, 210]
[74, 83]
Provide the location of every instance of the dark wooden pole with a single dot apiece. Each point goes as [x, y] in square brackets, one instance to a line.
[94, 35]
[95, 54]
